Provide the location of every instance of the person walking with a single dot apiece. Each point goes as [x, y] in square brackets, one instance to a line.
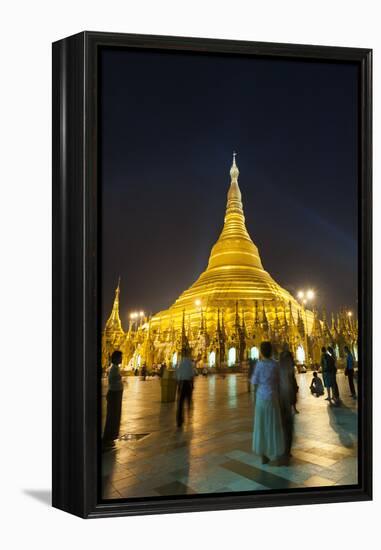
[287, 395]
[114, 402]
[184, 376]
[268, 437]
[327, 371]
[350, 371]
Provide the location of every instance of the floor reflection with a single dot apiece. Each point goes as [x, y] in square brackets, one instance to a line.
[212, 451]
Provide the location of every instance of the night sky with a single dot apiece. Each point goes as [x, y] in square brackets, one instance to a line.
[169, 125]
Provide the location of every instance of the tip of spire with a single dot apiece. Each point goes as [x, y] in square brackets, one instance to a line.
[234, 172]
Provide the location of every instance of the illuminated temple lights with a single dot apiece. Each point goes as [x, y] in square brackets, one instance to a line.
[233, 306]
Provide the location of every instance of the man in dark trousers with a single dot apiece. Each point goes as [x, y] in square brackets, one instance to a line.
[114, 402]
[331, 357]
[184, 376]
[350, 371]
[287, 395]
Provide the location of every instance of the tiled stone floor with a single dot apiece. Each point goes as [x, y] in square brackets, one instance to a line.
[212, 452]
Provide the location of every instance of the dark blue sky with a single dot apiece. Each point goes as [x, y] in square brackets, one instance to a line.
[169, 125]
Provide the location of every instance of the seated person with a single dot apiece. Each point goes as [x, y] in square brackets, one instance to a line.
[316, 386]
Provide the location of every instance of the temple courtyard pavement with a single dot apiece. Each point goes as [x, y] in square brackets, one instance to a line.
[211, 453]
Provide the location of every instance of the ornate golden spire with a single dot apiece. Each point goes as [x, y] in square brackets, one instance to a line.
[114, 322]
[234, 222]
[184, 339]
[234, 246]
[234, 172]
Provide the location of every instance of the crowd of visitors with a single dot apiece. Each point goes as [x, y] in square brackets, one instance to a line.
[275, 393]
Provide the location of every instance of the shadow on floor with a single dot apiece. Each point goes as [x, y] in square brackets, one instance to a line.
[344, 421]
[42, 495]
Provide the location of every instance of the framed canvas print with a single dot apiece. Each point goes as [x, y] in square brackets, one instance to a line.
[212, 274]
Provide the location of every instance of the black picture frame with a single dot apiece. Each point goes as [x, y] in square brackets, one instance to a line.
[76, 276]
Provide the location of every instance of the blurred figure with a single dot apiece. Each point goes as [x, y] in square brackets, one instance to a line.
[350, 371]
[250, 372]
[268, 437]
[335, 387]
[144, 372]
[162, 370]
[114, 401]
[287, 395]
[327, 371]
[184, 376]
[316, 386]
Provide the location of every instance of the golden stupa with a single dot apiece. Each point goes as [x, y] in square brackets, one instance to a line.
[234, 277]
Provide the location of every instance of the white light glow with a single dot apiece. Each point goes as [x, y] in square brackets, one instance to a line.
[231, 357]
[254, 353]
[300, 355]
[212, 358]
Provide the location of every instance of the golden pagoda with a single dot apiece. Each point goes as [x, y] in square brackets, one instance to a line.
[225, 314]
[232, 286]
[113, 335]
[234, 274]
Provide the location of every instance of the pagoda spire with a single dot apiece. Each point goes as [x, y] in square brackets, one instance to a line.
[244, 331]
[333, 325]
[276, 323]
[292, 320]
[184, 339]
[316, 327]
[285, 323]
[237, 322]
[189, 335]
[256, 317]
[113, 322]
[301, 327]
[265, 322]
[234, 223]
[326, 331]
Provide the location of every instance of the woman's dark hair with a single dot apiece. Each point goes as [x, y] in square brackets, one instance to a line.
[186, 351]
[323, 349]
[266, 349]
[116, 357]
